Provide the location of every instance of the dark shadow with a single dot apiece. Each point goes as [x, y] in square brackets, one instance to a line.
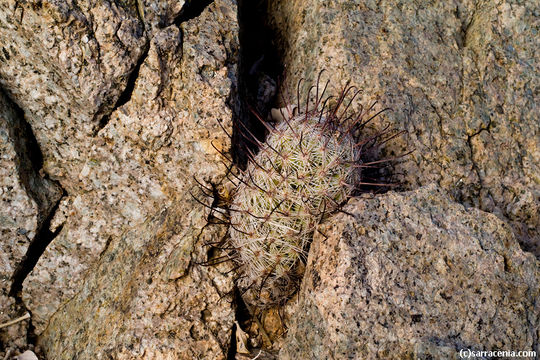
[259, 67]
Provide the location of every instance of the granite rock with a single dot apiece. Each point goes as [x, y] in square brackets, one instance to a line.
[142, 162]
[66, 63]
[26, 199]
[461, 77]
[159, 14]
[414, 275]
[146, 297]
[129, 100]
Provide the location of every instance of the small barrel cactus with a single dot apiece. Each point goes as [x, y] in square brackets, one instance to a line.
[308, 167]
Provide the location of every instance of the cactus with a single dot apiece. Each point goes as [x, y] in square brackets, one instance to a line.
[308, 167]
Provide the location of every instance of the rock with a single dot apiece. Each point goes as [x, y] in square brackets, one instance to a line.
[462, 79]
[27, 355]
[26, 196]
[119, 191]
[161, 13]
[66, 63]
[13, 337]
[127, 100]
[410, 275]
[150, 150]
[131, 230]
[146, 298]
[26, 199]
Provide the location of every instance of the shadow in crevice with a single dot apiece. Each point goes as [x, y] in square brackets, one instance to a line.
[126, 94]
[43, 191]
[43, 238]
[259, 68]
[191, 10]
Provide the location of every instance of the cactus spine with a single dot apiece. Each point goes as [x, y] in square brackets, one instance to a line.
[307, 168]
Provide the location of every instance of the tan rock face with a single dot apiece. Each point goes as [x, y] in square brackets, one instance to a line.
[146, 298]
[26, 198]
[120, 277]
[149, 151]
[411, 275]
[462, 79]
[125, 98]
[66, 64]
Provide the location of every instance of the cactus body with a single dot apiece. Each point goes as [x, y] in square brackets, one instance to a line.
[304, 171]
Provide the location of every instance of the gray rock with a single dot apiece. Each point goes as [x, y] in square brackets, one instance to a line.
[161, 13]
[146, 298]
[91, 279]
[65, 63]
[26, 199]
[410, 275]
[461, 78]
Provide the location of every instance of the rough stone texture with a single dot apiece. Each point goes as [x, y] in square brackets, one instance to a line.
[147, 299]
[414, 275]
[26, 198]
[142, 162]
[119, 190]
[66, 63]
[124, 100]
[162, 13]
[461, 77]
